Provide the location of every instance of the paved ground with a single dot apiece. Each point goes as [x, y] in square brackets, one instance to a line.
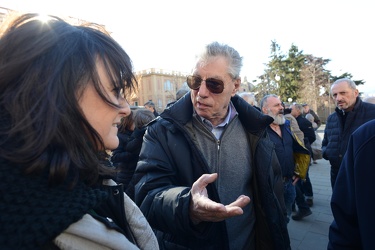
[311, 233]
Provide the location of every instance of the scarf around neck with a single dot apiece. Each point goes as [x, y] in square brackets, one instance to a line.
[32, 213]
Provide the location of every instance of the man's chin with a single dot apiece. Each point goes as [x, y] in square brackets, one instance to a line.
[280, 122]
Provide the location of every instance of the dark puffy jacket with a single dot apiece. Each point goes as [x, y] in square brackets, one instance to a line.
[336, 135]
[170, 163]
[127, 169]
[123, 159]
[120, 154]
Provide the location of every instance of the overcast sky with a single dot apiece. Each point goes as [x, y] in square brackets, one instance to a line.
[168, 34]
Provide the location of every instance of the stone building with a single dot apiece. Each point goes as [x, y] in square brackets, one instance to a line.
[159, 86]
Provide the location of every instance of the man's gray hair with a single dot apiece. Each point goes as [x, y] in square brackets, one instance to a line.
[299, 107]
[231, 55]
[249, 98]
[350, 83]
[264, 100]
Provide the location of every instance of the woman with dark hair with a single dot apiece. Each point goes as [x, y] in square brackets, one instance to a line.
[62, 92]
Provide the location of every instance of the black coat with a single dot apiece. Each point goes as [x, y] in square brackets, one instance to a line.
[170, 163]
[120, 154]
[309, 133]
[336, 135]
[352, 207]
[306, 127]
[126, 159]
[127, 168]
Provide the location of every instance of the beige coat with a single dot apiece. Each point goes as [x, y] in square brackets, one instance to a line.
[295, 128]
[89, 233]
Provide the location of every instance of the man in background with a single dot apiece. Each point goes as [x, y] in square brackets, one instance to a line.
[249, 98]
[180, 93]
[293, 124]
[350, 113]
[293, 157]
[151, 106]
[307, 110]
[304, 190]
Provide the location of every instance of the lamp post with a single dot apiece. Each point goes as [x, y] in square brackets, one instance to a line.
[329, 95]
[277, 79]
[267, 86]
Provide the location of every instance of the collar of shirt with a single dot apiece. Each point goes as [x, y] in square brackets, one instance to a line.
[218, 130]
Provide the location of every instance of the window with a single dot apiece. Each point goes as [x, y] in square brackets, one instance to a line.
[167, 85]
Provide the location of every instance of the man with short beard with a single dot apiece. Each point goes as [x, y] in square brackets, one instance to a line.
[350, 113]
[286, 146]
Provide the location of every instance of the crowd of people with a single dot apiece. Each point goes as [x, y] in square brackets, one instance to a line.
[80, 170]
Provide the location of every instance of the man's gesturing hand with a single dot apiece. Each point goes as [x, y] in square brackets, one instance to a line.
[204, 209]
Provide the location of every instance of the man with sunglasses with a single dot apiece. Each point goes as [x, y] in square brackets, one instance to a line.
[208, 175]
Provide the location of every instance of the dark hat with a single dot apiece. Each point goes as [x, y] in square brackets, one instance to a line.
[305, 104]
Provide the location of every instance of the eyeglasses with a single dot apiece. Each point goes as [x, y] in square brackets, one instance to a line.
[215, 86]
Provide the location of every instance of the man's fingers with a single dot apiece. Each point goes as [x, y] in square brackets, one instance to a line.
[295, 180]
[203, 181]
[202, 208]
[241, 202]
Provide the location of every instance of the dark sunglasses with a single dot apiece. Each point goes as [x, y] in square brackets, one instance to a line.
[215, 86]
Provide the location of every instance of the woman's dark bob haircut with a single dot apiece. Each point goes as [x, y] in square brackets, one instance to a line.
[44, 68]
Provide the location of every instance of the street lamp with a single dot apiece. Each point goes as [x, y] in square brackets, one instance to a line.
[277, 79]
[267, 86]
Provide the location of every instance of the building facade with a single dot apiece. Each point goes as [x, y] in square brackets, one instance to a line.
[159, 86]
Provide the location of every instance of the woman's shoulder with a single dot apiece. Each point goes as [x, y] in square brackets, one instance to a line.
[79, 235]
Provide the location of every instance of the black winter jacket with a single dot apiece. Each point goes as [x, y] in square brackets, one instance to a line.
[170, 163]
[120, 154]
[336, 135]
[125, 159]
[352, 208]
[306, 127]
